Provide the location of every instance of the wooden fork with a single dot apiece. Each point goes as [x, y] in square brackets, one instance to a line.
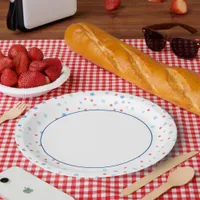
[14, 112]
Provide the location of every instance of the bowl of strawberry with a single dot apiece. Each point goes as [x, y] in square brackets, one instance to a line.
[25, 73]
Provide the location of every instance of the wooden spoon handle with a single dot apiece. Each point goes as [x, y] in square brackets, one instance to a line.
[157, 192]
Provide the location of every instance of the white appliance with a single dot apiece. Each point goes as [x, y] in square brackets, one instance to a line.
[29, 14]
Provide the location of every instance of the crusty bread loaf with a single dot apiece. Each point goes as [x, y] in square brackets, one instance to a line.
[174, 84]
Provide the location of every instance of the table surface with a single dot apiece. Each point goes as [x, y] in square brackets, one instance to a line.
[125, 22]
[86, 76]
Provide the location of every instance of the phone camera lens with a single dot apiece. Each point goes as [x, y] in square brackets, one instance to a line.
[4, 180]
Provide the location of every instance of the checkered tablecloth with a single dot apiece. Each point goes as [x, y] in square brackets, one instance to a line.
[86, 76]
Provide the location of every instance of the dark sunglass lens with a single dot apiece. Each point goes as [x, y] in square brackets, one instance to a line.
[155, 41]
[184, 48]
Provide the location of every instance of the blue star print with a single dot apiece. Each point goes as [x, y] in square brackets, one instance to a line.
[92, 94]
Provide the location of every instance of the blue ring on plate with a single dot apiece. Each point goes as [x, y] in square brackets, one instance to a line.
[78, 166]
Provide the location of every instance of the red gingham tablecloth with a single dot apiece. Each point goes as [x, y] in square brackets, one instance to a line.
[86, 76]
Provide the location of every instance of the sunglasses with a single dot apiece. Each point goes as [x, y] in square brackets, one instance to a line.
[183, 48]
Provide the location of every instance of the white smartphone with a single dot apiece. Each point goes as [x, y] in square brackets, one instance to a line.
[18, 184]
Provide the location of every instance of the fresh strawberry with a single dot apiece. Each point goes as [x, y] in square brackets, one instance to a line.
[156, 1]
[1, 55]
[35, 54]
[5, 62]
[9, 77]
[21, 63]
[52, 73]
[15, 50]
[54, 68]
[55, 62]
[37, 66]
[179, 7]
[112, 4]
[31, 79]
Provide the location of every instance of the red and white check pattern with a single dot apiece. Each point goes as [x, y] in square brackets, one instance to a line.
[86, 76]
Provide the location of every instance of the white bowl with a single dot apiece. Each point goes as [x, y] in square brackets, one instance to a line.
[37, 91]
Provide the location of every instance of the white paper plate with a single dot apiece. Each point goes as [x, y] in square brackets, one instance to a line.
[96, 134]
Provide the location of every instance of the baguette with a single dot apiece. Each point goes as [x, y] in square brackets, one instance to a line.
[174, 84]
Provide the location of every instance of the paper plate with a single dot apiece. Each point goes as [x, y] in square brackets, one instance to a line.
[96, 134]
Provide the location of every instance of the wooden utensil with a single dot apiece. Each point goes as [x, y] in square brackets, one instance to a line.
[161, 169]
[14, 112]
[178, 177]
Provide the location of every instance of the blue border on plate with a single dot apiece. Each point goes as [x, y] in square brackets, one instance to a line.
[101, 166]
